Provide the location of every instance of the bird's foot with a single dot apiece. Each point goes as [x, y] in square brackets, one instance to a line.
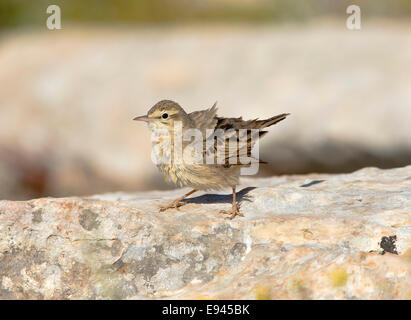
[235, 211]
[176, 204]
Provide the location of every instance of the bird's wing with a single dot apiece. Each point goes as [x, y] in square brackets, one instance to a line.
[228, 130]
[204, 119]
[245, 139]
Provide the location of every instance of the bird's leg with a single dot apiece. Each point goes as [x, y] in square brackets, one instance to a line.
[235, 211]
[177, 203]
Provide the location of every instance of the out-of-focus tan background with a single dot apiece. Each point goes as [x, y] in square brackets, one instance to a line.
[67, 96]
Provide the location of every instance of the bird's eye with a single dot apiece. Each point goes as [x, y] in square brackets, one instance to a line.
[164, 115]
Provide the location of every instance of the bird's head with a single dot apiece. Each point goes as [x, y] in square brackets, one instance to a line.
[163, 114]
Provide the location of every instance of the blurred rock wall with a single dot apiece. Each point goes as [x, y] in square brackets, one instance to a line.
[67, 98]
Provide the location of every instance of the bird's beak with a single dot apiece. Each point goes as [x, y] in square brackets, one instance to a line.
[144, 118]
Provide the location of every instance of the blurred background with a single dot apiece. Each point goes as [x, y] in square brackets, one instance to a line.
[67, 96]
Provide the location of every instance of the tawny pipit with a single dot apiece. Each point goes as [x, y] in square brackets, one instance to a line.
[166, 118]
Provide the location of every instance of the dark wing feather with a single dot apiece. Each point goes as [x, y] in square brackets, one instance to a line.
[233, 126]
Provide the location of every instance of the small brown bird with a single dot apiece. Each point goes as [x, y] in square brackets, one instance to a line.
[166, 118]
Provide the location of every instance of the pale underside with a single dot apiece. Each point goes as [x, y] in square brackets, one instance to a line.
[201, 177]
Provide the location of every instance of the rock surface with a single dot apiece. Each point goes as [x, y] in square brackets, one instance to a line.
[315, 236]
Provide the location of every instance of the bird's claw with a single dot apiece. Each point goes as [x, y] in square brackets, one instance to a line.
[172, 205]
[235, 211]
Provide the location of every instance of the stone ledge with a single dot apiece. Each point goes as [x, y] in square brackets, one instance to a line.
[314, 236]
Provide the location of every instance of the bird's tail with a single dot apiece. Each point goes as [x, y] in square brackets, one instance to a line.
[260, 124]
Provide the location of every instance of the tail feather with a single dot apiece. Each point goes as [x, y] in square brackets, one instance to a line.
[260, 124]
[239, 123]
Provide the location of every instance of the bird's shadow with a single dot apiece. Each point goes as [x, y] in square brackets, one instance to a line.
[222, 198]
[311, 183]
